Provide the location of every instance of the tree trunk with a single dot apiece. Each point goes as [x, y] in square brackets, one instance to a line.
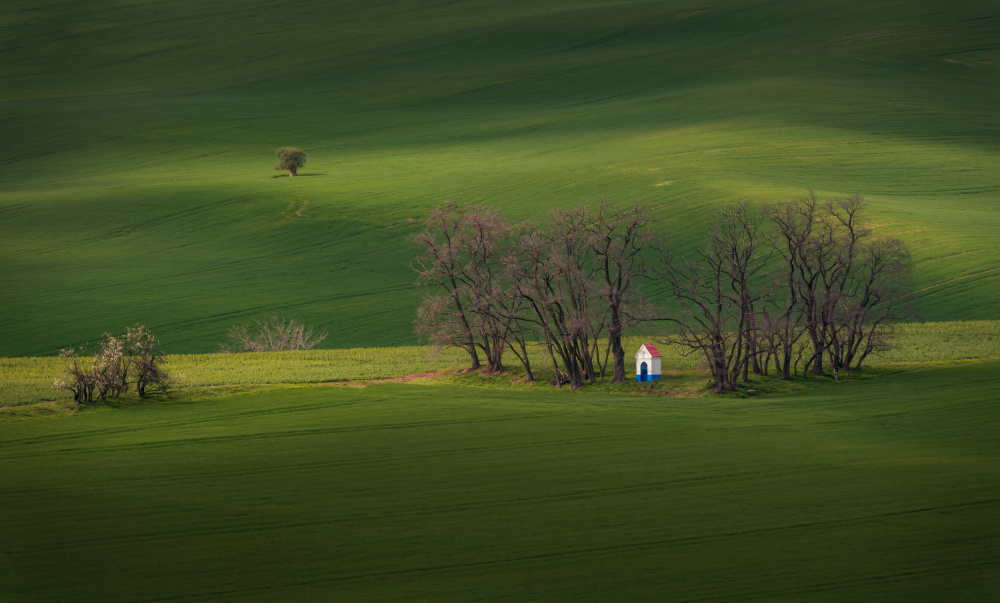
[819, 348]
[617, 351]
[817, 367]
[525, 360]
[719, 373]
[292, 172]
[470, 342]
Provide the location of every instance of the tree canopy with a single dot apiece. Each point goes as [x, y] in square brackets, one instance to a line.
[291, 159]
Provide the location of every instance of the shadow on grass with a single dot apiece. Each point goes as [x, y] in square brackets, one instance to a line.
[681, 383]
[299, 176]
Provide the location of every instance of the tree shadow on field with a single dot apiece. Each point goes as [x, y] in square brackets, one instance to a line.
[299, 176]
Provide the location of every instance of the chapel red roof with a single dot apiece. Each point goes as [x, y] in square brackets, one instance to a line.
[652, 349]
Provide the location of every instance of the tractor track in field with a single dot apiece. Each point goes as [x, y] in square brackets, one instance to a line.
[952, 280]
[380, 515]
[255, 436]
[641, 546]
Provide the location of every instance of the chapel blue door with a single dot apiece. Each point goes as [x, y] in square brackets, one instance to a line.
[645, 372]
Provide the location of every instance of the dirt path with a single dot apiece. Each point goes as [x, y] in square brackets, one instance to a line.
[366, 383]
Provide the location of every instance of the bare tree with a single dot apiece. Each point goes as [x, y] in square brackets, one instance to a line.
[271, 335]
[872, 298]
[147, 361]
[811, 249]
[118, 363]
[570, 281]
[522, 329]
[780, 334]
[718, 295]
[111, 366]
[620, 240]
[476, 306]
[78, 377]
[553, 269]
[443, 316]
[740, 236]
[790, 314]
[106, 374]
[484, 240]
[845, 286]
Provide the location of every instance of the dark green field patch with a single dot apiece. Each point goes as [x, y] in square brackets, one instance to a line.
[886, 489]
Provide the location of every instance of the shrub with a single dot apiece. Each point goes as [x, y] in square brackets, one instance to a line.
[273, 335]
[118, 363]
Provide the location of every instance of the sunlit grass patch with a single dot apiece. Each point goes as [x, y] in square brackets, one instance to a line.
[26, 381]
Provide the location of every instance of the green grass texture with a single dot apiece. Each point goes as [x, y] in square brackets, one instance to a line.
[882, 490]
[136, 180]
[28, 380]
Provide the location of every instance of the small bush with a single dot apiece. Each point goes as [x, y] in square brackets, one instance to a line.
[273, 335]
[118, 364]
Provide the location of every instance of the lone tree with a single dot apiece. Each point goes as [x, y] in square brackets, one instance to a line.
[291, 159]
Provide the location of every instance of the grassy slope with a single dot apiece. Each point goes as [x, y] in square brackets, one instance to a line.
[885, 490]
[135, 180]
[28, 381]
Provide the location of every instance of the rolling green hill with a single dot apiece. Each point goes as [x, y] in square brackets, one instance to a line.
[136, 180]
[882, 490]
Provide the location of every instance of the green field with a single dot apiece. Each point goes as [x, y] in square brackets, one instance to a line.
[883, 490]
[136, 186]
[136, 181]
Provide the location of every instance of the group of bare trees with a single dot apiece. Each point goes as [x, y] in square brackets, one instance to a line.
[567, 281]
[845, 285]
[720, 291]
[120, 363]
[802, 283]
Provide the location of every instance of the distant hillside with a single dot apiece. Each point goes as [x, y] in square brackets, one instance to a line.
[136, 179]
